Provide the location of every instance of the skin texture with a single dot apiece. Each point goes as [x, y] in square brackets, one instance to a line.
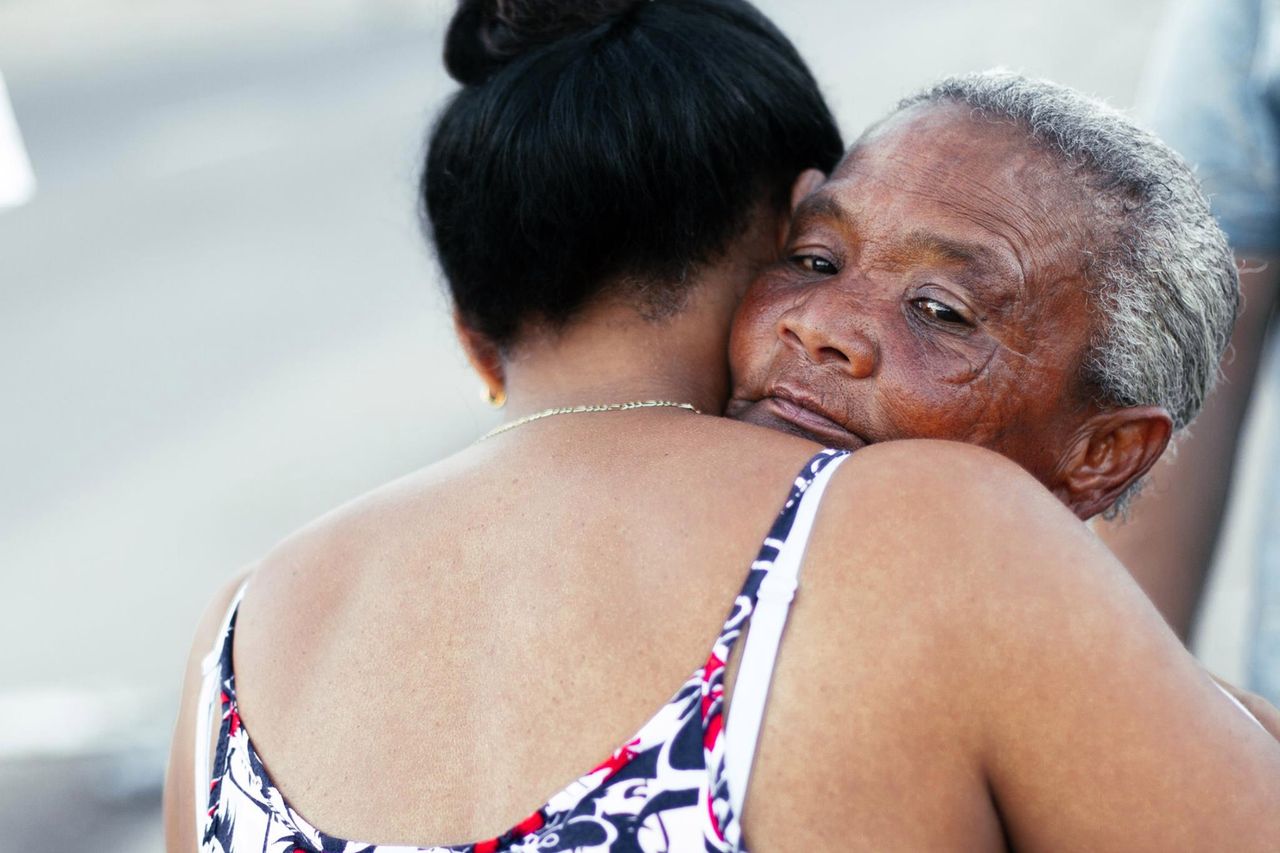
[933, 288]
[963, 664]
[965, 668]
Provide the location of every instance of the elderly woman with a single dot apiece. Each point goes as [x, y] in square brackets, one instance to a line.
[483, 649]
[1003, 262]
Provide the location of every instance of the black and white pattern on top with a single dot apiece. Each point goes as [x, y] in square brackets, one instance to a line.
[664, 791]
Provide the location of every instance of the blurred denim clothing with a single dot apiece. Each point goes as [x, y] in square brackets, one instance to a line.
[1264, 652]
[1213, 93]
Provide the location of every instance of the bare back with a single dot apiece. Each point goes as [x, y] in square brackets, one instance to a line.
[507, 618]
[430, 662]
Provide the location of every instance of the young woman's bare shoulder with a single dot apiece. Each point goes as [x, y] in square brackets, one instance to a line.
[945, 504]
[954, 578]
[936, 544]
[314, 568]
[967, 539]
[307, 573]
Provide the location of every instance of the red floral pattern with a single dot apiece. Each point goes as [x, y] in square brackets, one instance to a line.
[663, 790]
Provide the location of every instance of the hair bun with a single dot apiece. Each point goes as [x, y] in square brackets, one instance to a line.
[485, 35]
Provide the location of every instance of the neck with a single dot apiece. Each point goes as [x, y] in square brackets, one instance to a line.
[612, 354]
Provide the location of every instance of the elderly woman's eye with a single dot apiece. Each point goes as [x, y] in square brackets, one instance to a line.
[940, 311]
[815, 264]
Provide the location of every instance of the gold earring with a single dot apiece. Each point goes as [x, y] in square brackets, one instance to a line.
[497, 399]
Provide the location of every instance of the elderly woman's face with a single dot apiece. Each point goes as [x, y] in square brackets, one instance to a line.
[932, 288]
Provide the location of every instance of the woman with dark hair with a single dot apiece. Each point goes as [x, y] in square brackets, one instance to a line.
[967, 667]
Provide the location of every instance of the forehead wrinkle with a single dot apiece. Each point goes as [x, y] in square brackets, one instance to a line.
[1037, 235]
[1000, 275]
[1012, 267]
[998, 212]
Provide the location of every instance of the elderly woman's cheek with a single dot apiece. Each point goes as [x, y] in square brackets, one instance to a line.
[747, 349]
[1008, 395]
[954, 359]
[753, 325]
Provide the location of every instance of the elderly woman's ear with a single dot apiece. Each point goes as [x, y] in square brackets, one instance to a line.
[1111, 452]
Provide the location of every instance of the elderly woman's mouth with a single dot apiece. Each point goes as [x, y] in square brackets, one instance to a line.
[798, 416]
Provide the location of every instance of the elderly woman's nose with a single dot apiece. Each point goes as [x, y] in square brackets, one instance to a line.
[830, 339]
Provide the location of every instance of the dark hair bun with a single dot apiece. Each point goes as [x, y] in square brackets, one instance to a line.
[485, 35]
[609, 145]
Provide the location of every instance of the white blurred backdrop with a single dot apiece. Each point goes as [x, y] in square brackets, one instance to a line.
[218, 320]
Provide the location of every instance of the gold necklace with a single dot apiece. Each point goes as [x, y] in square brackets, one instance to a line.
[593, 407]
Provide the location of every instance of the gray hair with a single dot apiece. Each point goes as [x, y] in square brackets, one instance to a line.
[1163, 281]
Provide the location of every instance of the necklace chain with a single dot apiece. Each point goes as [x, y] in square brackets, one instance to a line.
[591, 407]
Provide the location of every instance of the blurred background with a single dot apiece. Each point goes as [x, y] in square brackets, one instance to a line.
[218, 320]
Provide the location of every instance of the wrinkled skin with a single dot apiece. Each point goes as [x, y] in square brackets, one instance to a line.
[933, 287]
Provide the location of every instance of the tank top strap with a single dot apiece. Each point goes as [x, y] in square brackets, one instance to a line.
[213, 671]
[780, 560]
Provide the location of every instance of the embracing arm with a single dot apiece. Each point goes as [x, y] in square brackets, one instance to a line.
[179, 781]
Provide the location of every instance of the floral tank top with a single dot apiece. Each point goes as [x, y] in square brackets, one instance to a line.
[677, 785]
